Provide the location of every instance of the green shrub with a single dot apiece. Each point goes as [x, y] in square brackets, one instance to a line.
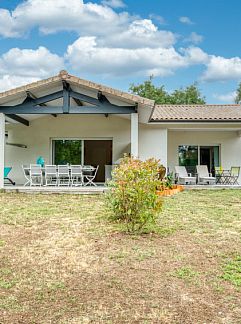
[132, 197]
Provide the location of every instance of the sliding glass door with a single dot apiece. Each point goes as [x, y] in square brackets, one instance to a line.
[209, 155]
[67, 152]
[188, 157]
[191, 155]
[79, 152]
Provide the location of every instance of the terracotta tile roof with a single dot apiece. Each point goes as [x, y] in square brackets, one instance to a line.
[195, 113]
[63, 75]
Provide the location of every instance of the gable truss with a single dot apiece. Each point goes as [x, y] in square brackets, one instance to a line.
[34, 105]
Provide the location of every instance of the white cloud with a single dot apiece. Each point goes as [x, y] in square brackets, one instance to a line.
[51, 16]
[120, 61]
[139, 34]
[185, 20]
[109, 42]
[194, 38]
[8, 82]
[114, 3]
[7, 25]
[217, 68]
[195, 55]
[158, 19]
[18, 67]
[87, 19]
[226, 97]
[222, 69]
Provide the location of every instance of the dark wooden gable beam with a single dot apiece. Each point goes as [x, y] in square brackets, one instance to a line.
[84, 98]
[99, 105]
[32, 96]
[67, 86]
[66, 97]
[102, 98]
[102, 101]
[105, 101]
[72, 110]
[19, 119]
[44, 99]
[79, 103]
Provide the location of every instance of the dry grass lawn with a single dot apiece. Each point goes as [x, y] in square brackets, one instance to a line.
[62, 261]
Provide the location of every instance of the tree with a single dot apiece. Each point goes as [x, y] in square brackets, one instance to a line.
[148, 90]
[238, 95]
[182, 96]
[190, 95]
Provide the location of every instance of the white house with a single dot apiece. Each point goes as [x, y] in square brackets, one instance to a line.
[95, 124]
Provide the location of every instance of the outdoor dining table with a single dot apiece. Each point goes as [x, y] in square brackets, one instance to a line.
[223, 177]
[86, 169]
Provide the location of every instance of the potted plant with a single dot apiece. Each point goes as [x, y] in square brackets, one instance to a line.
[168, 188]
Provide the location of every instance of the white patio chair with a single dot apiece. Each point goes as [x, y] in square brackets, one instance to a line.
[204, 177]
[36, 175]
[51, 175]
[76, 175]
[183, 177]
[26, 173]
[63, 175]
[90, 177]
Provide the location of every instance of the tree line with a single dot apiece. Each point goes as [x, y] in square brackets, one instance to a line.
[189, 95]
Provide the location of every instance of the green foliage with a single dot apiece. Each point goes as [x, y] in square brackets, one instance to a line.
[132, 197]
[169, 180]
[6, 284]
[68, 151]
[232, 271]
[238, 94]
[56, 285]
[185, 273]
[2, 243]
[150, 91]
[189, 95]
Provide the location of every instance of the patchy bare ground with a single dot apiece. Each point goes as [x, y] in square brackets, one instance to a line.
[62, 261]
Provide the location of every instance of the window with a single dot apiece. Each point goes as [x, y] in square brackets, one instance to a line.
[83, 151]
[209, 155]
[67, 151]
[191, 155]
[188, 157]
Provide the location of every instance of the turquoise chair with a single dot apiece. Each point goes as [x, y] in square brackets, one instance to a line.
[7, 170]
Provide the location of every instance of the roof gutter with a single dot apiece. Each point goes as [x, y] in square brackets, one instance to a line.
[169, 121]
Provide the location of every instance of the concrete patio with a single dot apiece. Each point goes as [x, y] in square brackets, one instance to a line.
[90, 190]
[100, 189]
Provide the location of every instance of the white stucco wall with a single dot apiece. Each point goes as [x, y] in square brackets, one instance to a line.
[229, 141]
[154, 140]
[38, 136]
[153, 143]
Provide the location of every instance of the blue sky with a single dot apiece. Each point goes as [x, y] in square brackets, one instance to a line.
[119, 42]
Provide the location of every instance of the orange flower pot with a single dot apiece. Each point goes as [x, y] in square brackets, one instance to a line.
[170, 192]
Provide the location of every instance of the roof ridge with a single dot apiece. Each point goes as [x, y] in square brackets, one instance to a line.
[110, 89]
[64, 75]
[32, 84]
